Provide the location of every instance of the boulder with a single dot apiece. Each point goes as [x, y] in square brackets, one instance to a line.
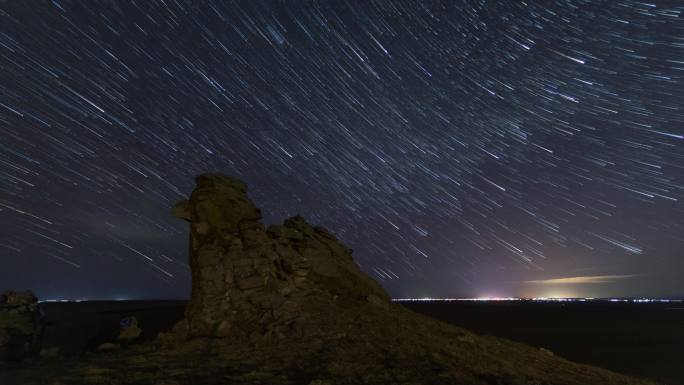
[21, 326]
[128, 330]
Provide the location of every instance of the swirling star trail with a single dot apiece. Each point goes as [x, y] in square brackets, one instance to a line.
[461, 148]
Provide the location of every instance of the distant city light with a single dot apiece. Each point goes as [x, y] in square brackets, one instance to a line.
[542, 299]
[84, 299]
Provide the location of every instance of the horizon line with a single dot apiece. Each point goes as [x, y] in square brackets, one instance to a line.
[422, 299]
[546, 299]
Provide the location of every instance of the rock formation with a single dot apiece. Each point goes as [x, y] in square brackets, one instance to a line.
[251, 283]
[21, 326]
[288, 305]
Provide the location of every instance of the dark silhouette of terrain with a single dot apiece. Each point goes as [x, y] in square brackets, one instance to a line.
[638, 339]
[288, 305]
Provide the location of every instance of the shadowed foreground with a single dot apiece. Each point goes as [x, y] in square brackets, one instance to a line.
[288, 305]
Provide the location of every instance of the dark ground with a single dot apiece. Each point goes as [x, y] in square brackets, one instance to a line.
[640, 339]
[645, 340]
[76, 327]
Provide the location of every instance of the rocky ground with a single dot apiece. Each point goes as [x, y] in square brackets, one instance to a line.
[288, 305]
[405, 349]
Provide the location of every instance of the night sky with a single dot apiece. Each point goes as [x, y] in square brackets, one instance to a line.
[461, 148]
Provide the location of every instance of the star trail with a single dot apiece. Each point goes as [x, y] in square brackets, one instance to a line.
[461, 148]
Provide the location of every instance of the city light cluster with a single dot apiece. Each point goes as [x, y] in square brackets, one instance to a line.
[541, 299]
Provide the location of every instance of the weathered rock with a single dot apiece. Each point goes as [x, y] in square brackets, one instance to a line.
[21, 326]
[240, 270]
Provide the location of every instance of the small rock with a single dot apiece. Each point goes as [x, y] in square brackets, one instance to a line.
[49, 352]
[466, 338]
[546, 351]
[108, 347]
[129, 331]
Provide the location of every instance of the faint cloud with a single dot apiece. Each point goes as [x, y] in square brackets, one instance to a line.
[584, 269]
[581, 280]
